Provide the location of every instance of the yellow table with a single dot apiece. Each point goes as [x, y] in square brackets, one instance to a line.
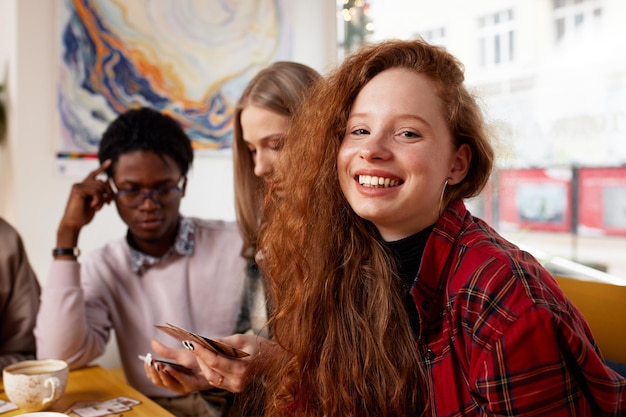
[95, 383]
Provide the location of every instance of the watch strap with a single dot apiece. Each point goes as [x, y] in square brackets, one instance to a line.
[75, 252]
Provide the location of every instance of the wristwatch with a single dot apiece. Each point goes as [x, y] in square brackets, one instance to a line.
[75, 252]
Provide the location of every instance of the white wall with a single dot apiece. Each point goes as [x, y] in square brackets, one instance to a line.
[32, 195]
[7, 35]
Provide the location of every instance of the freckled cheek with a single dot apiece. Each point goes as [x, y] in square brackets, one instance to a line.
[347, 152]
[345, 185]
[343, 170]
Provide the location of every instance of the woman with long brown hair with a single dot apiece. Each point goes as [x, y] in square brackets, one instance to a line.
[262, 116]
[389, 297]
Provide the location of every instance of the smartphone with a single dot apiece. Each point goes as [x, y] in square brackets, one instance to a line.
[151, 361]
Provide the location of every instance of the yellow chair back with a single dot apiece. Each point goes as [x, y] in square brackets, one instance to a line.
[604, 308]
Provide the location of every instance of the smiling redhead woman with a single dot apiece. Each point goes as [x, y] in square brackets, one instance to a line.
[390, 298]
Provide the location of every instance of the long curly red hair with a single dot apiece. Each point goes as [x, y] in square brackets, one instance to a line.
[344, 346]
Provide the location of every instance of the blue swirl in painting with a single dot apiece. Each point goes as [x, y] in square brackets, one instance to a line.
[188, 58]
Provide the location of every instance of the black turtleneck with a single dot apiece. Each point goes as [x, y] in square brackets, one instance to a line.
[408, 255]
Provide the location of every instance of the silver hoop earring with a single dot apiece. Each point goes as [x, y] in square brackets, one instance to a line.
[443, 191]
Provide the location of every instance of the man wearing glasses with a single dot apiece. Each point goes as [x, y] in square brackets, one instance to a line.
[167, 269]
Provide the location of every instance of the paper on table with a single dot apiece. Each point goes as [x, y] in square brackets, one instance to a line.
[6, 406]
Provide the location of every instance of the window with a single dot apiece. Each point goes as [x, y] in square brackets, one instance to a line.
[574, 16]
[496, 38]
[434, 36]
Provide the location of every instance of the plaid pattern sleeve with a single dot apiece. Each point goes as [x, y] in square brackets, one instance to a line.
[497, 335]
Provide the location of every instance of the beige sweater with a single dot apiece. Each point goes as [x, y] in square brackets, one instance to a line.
[82, 303]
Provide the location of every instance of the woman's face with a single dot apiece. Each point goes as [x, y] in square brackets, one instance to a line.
[263, 132]
[398, 153]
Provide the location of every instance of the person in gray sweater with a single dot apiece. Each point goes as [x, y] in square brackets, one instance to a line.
[19, 298]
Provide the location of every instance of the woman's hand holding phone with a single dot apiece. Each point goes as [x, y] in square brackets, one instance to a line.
[179, 373]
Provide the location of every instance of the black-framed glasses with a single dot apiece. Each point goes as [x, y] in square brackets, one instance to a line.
[134, 197]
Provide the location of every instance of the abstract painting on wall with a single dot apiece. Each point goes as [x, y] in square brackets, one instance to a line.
[188, 58]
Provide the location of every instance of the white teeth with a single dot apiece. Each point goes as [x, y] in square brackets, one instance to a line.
[377, 182]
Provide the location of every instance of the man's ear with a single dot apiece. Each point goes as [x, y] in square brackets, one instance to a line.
[183, 187]
[460, 164]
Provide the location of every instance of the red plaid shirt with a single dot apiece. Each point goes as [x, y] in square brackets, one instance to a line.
[498, 336]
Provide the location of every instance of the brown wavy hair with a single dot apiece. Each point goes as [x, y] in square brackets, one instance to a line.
[280, 88]
[344, 346]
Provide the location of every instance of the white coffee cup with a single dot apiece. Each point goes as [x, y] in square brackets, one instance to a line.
[36, 384]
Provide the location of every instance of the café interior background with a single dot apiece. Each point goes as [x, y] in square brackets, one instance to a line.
[551, 75]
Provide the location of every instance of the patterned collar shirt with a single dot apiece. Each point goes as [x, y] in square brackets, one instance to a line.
[498, 336]
[183, 245]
